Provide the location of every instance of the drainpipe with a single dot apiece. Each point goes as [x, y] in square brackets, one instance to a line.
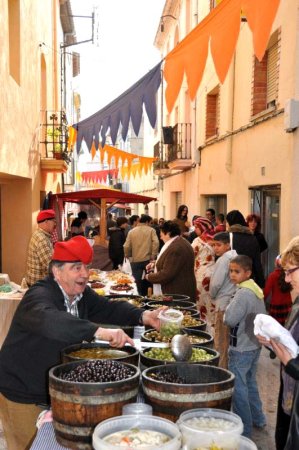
[230, 114]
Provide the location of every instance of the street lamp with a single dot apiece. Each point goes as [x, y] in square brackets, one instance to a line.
[162, 21]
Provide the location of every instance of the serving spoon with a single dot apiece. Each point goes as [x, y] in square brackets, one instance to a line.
[181, 347]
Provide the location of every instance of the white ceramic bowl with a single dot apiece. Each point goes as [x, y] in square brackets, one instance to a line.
[145, 422]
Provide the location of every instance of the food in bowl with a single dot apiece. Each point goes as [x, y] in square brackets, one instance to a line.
[165, 354]
[121, 287]
[167, 377]
[155, 336]
[98, 371]
[137, 437]
[96, 284]
[98, 353]
[189, 321]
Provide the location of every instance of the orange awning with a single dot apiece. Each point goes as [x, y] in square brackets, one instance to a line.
[221, 29]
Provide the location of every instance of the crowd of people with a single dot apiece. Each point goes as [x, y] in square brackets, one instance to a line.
[214, 259]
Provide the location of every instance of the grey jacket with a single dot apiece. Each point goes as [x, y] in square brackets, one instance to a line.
[239, 316]
[221, 288]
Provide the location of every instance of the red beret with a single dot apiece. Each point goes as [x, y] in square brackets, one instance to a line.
[76, 249]
[45, 214]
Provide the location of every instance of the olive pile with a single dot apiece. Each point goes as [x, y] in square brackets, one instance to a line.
[165, 354]
[155, 336]
[189, 321]
[169, 329]
[96, 371]
[168, 377]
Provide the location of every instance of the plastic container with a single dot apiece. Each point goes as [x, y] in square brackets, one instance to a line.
[137, 409]
[205, 427]
[246, 444]
[145, 422]
[171, 321]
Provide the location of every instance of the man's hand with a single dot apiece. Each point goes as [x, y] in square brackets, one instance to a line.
[114, 336]
[152, 317]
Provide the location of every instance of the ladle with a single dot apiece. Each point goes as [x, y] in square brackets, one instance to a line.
[181, 347]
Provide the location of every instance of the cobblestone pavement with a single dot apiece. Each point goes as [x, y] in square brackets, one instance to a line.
[268, 381]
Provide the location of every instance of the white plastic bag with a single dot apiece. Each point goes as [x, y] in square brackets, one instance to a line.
[126, 267]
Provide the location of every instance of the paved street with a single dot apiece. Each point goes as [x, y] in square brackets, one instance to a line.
[268, 380]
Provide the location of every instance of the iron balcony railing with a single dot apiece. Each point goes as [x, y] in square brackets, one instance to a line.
[181, 147]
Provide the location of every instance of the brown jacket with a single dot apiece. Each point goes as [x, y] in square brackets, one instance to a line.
[175, 269]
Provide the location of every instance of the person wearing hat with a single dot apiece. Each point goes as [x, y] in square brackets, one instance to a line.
[40, 247]
[55, 312]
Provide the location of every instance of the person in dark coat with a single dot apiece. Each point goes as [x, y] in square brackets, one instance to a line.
[253, 222]
[287, 424]
[56, 312]
[116, 241]
[245, 243]
[174, 268]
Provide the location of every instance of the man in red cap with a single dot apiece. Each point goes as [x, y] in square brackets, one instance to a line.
[40, 247]
[55, 312]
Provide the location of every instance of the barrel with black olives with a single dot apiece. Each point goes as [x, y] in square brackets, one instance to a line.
[98, 371]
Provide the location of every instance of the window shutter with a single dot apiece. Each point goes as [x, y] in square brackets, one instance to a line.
[272, 62]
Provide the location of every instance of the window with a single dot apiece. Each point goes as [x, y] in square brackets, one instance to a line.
[212, 113]
[14, 39]
[265, 78]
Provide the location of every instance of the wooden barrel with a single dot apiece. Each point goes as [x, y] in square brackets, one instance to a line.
[78, 407]
[205, 387]
[126, 354]
[146, 361]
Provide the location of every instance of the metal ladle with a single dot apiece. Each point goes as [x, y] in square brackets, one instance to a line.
[181, 347]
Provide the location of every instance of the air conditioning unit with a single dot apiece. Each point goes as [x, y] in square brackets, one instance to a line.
[291, 115]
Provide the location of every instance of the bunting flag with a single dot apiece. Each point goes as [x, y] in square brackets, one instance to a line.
[96, 177]
[128, 166]
[221, 29]
[126, 107]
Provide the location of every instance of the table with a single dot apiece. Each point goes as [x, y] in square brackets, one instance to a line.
[8, 306]
[45, 439]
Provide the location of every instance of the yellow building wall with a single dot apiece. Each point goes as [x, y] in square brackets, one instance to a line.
[260, 154]
[21, 100]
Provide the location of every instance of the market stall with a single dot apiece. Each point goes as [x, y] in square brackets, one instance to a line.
[103, 199]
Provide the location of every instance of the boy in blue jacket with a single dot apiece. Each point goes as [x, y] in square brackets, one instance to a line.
[244, 350]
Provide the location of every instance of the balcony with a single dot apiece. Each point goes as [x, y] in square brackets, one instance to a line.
[54, 137]
[179, 153]
[160, 166]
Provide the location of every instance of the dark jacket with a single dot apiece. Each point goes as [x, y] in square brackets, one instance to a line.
[175, 269]
[116, 244]
[41, 328]
[262, 241]
[245, 243]
[292, 369]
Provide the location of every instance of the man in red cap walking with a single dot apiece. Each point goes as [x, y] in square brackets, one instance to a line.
[54, 313]
[40, 247]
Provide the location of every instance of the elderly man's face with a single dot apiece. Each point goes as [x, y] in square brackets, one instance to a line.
[72, 277]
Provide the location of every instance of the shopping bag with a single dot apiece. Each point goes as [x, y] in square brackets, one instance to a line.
[126, 267]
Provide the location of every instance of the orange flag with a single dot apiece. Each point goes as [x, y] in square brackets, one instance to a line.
[221, 28]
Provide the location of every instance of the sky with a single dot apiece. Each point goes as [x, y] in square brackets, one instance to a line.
[125, 50]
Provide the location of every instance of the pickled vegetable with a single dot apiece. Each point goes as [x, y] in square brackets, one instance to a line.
[165, 354]
[155, 336]
[98, 353]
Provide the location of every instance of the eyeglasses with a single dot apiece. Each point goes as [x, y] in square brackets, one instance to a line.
[288, 272]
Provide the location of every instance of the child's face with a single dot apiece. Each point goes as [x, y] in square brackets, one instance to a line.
[237, 274]
[220, 248]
